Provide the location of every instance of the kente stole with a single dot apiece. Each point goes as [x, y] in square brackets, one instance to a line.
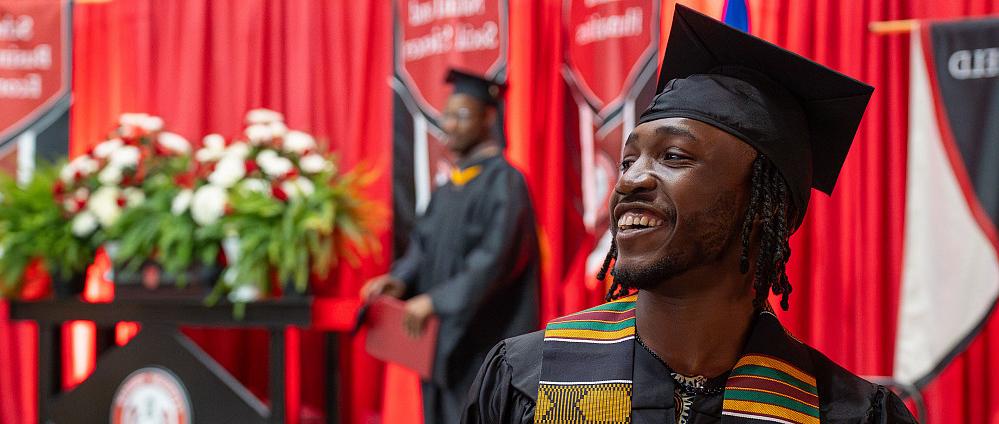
[587, 367]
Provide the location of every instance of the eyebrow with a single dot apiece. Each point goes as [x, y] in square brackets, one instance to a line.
[675, 131]
[667, 131]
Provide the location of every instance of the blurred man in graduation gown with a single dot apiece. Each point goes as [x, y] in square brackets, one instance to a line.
[473, 256]
[715, 177]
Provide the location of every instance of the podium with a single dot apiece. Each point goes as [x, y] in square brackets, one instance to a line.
[161, 371]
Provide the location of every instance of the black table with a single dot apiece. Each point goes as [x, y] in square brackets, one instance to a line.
[274, 315]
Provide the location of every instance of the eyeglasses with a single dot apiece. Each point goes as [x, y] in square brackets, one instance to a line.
[462, 114]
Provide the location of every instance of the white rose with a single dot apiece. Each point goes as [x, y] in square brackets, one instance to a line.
[87, 165]
[67, 173]
[151, 123]
[263, 116]
[244, 293]
[132, 119]
[256, 185]
[181, 202]
[110, 176]
[298, 142]
[275, 166]
[314, 164]
[240, 150]
[81, 193]
[227, 172]
[208, 204]
[298, 187]
[134, 196]
[258, 133]
[84, 224]
[104, 205]
[278, 129]
[71, 205]
[84, 164]
[267, 154]
[174, 142]
[105, 148]
[213, 142]
[125, 156]
[208, 155]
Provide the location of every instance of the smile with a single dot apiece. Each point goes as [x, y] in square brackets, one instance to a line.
[636, 219]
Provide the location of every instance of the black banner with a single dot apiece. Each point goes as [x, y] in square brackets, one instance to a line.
[966, 61]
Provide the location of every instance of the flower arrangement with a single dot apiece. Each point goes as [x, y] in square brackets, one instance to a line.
[270, 205]
[285, 210]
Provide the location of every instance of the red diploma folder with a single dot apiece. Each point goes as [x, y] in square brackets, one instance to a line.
[388, 341]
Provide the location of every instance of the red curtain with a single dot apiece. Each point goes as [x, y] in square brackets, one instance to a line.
[200, 65]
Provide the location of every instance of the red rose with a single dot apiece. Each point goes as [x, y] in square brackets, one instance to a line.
[278, 193]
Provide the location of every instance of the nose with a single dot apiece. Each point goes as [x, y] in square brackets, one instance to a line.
[449, 125]
[637, 178]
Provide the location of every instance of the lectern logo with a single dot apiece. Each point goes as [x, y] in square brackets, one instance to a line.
[151, 395]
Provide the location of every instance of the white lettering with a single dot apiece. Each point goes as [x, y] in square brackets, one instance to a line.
[421, 13]
[472, 39]
[591, 3]
[21, 88]
[599, 28]
[21, 28]
[39, 57]
[974, 64]
[438, 41]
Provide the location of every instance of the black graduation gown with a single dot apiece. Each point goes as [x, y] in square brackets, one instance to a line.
[505, 390]
[475, 252]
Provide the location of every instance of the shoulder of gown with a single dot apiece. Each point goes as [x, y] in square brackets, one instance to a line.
[506, 388]
[847, 398]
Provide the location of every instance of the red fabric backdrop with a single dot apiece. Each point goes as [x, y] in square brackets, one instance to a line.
[200, 65]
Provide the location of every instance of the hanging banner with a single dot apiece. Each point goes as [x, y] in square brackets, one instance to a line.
[432, 36]
[950, 266]
[610, 67]
[34, 81]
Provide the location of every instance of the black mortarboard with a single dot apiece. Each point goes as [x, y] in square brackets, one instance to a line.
[800, 114]
[486, 90]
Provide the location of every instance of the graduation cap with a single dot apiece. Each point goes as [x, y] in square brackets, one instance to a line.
[800, 114]
[486, 90]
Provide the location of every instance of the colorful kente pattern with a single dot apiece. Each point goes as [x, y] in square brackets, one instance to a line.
[607, 323]
[607, 403]
[768, 389]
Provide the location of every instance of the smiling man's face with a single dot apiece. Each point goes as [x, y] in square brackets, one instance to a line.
[680, 200]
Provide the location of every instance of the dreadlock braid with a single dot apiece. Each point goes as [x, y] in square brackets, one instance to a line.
[770, 205]
[616, 289]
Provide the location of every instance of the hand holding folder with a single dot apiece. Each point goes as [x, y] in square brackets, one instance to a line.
[387, 338]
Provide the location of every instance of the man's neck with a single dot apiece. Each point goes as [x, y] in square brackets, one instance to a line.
[484, 149]
[697, 322]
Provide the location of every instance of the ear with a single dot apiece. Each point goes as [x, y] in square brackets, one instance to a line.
[490, 116]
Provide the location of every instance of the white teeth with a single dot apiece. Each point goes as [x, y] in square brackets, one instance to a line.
[638, 219]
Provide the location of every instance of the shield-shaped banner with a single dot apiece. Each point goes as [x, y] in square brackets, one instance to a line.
[610, 65]
[432, 36]
[34, 76]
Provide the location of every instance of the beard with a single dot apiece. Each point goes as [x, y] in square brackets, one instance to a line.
[714, 229]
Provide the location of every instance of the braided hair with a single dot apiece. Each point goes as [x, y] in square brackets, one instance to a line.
[770, 206]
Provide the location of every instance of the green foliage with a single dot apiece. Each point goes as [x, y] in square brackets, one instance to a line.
[33, 226]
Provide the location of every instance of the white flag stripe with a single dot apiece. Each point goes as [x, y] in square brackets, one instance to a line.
[950, 271]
